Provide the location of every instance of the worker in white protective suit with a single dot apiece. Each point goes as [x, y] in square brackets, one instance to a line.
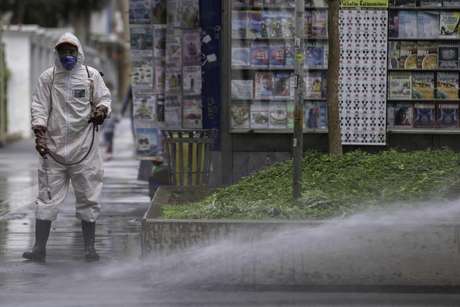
[69, 103]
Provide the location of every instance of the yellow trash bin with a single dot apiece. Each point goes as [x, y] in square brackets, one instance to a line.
[188, 155]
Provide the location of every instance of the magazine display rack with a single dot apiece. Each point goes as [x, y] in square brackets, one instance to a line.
[423, 66]
[262, 62]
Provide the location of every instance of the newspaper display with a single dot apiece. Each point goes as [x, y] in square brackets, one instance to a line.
[148, 24]
[141, 40]
[148, 141]
[191, 113]
[140, 12]
[144, 107]
[191, 85]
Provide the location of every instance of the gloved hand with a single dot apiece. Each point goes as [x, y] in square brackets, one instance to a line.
[99, 115]
[40, 140]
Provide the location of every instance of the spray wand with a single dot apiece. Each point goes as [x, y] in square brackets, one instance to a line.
[46, 167]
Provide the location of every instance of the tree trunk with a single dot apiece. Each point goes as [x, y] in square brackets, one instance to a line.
[335, 140]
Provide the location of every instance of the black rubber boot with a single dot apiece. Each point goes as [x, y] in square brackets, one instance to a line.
[42, 232]
[89, 233]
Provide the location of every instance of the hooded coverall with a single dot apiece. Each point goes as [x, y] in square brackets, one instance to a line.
[61, 103]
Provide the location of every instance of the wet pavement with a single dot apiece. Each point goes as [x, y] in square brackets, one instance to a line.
[122, 278]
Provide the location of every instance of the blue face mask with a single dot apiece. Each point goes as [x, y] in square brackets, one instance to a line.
[68, 61]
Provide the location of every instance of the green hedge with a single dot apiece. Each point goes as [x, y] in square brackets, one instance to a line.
[333, 186]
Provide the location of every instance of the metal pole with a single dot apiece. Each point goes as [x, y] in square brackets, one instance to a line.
[299, 98]
[2, 90]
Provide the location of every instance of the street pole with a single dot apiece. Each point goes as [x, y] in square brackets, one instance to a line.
[334, 133]
[2, 90]
[299, 97]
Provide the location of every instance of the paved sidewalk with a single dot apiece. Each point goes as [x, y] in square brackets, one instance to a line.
[124, 201]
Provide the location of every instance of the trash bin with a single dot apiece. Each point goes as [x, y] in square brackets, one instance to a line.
[188, 156]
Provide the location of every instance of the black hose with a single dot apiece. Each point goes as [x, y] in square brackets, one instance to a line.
[82, 159]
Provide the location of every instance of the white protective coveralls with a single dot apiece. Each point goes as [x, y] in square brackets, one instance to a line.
[69, 135]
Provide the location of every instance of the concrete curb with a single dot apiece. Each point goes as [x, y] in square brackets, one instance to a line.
[306, 253]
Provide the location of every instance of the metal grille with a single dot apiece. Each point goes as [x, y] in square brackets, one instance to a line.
[363, 76]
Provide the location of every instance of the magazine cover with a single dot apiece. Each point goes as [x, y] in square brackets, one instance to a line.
[407, 24]
[260, 54]
[447, 115]
[286, 3]
[173, 114]
[242, 89]
[255, 21]
[174, 47]
[405, 3]
[428, 24]
[318, 3]
[400, 115]
[172, 13]
[424, 116]
[448, 24]
[275, 29]
[241, 56]
[258, 4]
[239, 115]
[427, 55]
[240, 4]
[315, 55]
[319, 23]
[173, 81]
[269, 3]
[192, 81]
[192, 113]
[288, 24]
[147, 141]
[259, 115]
[239, 24]
[189, 13]
[278, 115]
[289, 53]
[159, 12]
[144, 107]
[315, 115]
[408, 55]
[448, 57]
[394, 54]
[142, 72]
[315, 85]
[159, 84]
[393, 24]
[430, 3]
[191, 53]
[159, 41]
[308, 23]
[399, 86]
[266, 24]
[277, 56]
[451, 3]
[141, 40]
[263, 85]
[423, 85]
[282, 85]
[447, 85]
[140, 12]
